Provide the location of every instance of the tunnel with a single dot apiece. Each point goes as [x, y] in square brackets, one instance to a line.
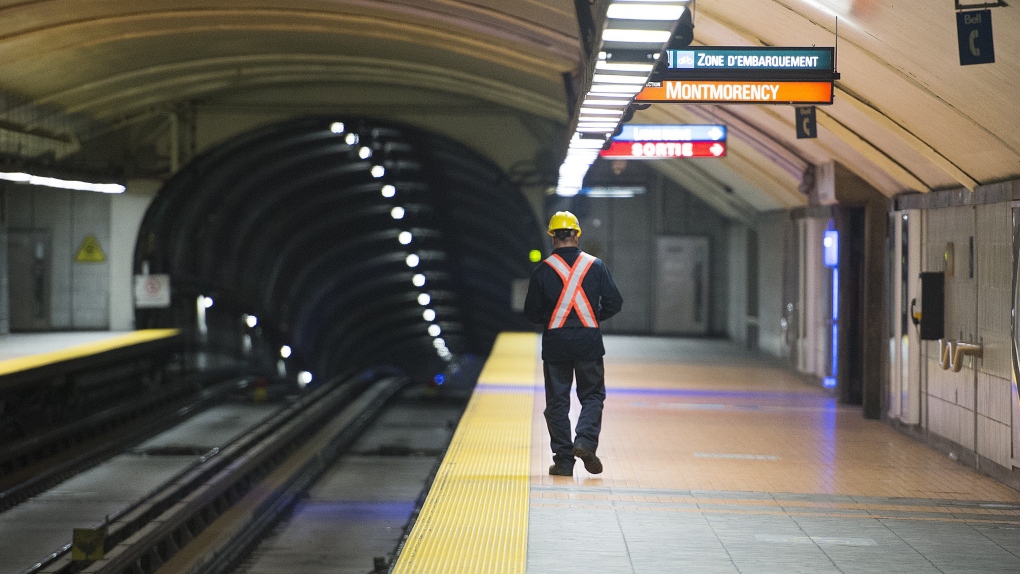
[354, 242]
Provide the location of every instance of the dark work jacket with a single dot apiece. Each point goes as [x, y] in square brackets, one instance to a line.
[573, 341]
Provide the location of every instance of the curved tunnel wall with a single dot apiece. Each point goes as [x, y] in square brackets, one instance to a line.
[295, 224]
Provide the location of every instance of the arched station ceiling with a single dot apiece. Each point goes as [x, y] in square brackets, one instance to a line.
[490, 73]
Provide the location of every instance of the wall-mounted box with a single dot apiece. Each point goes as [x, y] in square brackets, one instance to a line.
[933, 305]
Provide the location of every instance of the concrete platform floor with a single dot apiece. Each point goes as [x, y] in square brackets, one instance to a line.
[716, 461]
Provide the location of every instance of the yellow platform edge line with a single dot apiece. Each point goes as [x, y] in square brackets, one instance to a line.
[475, 518]
[512, 361]
[78, 351]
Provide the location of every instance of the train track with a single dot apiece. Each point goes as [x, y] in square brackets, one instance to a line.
[207, 516]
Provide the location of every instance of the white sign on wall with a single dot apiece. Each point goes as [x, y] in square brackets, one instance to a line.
[152, 291]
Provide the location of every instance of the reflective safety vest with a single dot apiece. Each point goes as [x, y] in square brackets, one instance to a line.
[572, 296]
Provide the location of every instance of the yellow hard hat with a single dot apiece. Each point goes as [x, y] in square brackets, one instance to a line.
[564, 220]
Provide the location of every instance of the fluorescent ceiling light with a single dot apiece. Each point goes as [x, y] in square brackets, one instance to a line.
[585, 143]
[621, 191]
[617, 89]
[627, 67]
[636, 11]
[600, 112]
[336, 127]
[62, 183]
[619, 79]
[596, 100]
[636, 36]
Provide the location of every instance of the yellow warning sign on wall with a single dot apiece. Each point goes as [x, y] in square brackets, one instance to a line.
[90, 251]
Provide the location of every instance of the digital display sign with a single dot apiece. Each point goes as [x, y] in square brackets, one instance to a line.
[737, 92]
[769, 58]
[663, 149]
[672, 133]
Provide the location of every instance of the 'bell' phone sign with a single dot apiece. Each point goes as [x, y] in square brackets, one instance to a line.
[974, 29]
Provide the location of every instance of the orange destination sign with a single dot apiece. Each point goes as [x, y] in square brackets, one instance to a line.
[728, 92]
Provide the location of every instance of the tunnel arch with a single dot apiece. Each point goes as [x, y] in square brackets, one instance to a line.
[294, 223]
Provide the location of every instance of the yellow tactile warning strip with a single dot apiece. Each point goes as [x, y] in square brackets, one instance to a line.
[475, 518]
[78, 351]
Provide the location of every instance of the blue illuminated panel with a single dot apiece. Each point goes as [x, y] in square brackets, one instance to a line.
[830, 248]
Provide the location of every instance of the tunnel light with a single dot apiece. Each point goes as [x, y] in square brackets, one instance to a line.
[30, 179]
[439, 343]
[429, 315]
[405, 237]
[412, 260]
[424, 299]
[303, 378]
[397, 212]
[251, 320]
[336, 127]
[352, 139]
[636, 36]
[378, 171]
[388, 191]
[285, 351]
[207, 302]
[365, 152]
[640, 11]
[435, 330]
[418, 280]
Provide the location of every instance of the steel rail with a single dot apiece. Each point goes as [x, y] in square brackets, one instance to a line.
[144, 537]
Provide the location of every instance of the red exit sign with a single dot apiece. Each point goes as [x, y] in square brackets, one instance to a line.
[659, 150]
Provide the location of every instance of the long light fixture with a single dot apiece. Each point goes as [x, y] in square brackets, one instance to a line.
[642, 25]
[30, 179]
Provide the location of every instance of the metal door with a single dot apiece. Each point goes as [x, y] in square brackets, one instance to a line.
[681, 294]
[28, 270]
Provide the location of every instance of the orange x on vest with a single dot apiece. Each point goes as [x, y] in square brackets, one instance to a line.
[572, 296]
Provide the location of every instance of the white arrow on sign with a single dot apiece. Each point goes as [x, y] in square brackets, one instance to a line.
[715, 133]
[717, 150]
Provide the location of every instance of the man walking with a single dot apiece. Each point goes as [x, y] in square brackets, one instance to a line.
[571, 293]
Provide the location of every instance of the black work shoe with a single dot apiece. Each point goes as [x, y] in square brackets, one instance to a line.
[557, 470]
[591, 462]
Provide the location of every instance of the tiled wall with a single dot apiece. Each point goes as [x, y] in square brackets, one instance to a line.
[737, 264]
[774, 229]
[79, 296]
[974, 406]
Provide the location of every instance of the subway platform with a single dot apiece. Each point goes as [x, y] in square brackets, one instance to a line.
[23, 351]
[716, 461]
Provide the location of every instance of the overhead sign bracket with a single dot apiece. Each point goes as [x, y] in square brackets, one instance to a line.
[999, 4]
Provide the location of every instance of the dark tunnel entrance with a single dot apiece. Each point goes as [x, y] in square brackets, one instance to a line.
[356, 243]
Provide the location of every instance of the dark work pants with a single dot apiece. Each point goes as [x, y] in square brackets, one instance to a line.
[591, 392]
